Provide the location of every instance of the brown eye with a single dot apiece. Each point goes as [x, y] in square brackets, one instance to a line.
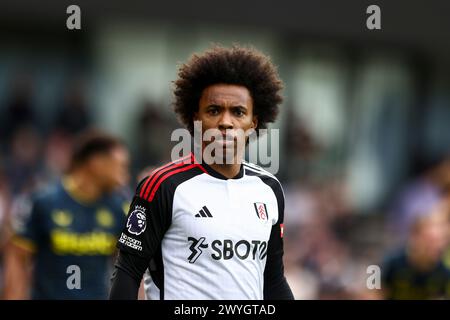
[213, 111]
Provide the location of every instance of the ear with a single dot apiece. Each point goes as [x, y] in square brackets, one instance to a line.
[254, 122]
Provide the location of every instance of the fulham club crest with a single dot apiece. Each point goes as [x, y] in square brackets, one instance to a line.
[137, 221]
[261, 211]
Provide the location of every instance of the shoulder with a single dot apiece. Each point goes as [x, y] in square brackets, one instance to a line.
[167, 178]
[37, 204]
[252, 169]
[267, 177]
[270, 180]
[47, 196]
[119, 200]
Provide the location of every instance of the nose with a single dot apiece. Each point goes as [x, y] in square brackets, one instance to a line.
[226, 121]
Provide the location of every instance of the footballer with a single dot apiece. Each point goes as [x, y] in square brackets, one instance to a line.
[211, 231]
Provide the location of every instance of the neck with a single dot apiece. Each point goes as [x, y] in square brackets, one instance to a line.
[227, 170]
[82, 187]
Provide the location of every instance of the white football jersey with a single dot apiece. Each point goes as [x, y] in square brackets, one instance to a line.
[206, 236]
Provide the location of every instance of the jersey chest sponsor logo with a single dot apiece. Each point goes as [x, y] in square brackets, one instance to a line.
[65, 242]
[137, 221]
[227, 249]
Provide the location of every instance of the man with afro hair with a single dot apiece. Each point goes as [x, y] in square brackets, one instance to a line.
[211, 231]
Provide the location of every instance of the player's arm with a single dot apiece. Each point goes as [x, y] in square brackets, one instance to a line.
[139, 241]
[21, 247]
[18, 261]
[127, 276]
[275, 284]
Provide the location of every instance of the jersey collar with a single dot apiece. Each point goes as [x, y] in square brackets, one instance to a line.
[218, 175]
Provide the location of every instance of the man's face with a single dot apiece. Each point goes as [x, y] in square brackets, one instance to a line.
[228, 109]
[111, 169]
[430, 237]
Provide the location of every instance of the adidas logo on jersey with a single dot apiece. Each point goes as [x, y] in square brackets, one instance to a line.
[204, 213]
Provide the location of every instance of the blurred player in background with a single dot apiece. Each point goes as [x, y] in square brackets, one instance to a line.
[417, 271]
[211, 231]
[70, 230]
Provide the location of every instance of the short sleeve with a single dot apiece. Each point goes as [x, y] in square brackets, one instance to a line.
[27, 223]
[147, 221]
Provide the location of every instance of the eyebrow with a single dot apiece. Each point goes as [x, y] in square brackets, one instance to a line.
[219, 106]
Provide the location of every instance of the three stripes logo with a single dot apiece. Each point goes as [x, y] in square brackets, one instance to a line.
[204, 213]
[196, 248]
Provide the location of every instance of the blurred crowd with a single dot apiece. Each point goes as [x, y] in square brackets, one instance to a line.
[330, 248]
[329, 244]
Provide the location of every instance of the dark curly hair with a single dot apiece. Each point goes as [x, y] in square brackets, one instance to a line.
[90, 143]
[236, 65]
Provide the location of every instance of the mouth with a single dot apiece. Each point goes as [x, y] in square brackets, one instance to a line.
[228, 137]
[227, 143]
[227, 140]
